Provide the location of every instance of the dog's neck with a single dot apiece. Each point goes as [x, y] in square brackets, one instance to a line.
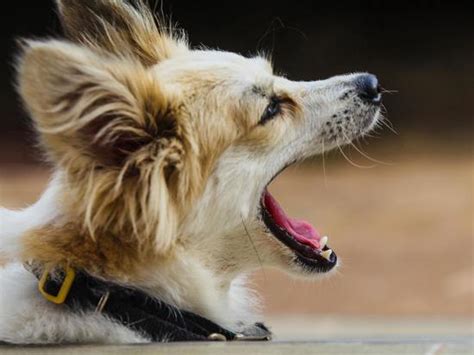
[183, 279]
[188, 284]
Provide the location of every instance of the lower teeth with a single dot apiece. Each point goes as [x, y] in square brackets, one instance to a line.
[326, 254]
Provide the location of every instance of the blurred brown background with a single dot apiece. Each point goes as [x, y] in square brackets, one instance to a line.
[403, 229]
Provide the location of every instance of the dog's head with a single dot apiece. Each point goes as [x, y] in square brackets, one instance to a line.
[176, 147]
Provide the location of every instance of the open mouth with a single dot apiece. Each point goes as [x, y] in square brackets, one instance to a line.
[310, 249]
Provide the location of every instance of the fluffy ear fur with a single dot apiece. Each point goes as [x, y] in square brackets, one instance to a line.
[119, 27]
[88, 106]
[122, 142]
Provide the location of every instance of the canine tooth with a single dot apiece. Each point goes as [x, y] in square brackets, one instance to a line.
[323, 241]
[326, 254]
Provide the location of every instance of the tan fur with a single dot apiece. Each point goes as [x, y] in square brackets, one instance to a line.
[126, 148]
[118, 27]
[129, 150]
[110, 256]
[4, 259]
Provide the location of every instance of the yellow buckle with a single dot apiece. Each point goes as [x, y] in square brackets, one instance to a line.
[63, 291]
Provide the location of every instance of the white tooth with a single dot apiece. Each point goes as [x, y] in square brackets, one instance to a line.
[323, 241]
[326, 254]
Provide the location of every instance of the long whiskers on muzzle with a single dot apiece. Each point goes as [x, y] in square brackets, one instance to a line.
[364, 154]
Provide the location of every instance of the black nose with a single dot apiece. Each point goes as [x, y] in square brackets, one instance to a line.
[369, 89]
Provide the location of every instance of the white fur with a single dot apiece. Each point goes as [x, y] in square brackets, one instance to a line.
[13, 224]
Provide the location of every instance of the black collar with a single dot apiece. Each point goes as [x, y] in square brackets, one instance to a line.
[134, 309]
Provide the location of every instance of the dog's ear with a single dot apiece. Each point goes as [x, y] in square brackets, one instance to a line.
[89, 106]
[120, 138]
[119, 27]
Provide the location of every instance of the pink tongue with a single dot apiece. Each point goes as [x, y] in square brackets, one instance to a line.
[302, 231]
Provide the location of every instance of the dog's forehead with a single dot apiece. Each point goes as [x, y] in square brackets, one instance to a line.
[214, 57]
[219, 65]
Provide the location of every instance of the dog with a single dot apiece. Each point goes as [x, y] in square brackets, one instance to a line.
[162, 155]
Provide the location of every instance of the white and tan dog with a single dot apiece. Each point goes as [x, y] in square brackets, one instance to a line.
[162, 155]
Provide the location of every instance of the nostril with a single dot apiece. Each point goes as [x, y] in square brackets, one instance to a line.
[368, 88]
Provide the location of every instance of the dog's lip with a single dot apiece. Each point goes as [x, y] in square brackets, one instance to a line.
[278, 173]
[311, 251]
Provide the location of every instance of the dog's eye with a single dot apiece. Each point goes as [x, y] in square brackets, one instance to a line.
[271, 111]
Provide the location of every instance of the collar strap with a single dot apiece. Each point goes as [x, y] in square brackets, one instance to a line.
[134, 309]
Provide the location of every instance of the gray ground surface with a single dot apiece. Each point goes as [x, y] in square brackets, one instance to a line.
[309, 336]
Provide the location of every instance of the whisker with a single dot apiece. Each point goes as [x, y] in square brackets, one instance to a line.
[386, 91]
[389, 126]
[386, 122]
[254, 248]
[271, 30]
[365, 154]
[353, 163]
[324, 166]
[369, 135]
